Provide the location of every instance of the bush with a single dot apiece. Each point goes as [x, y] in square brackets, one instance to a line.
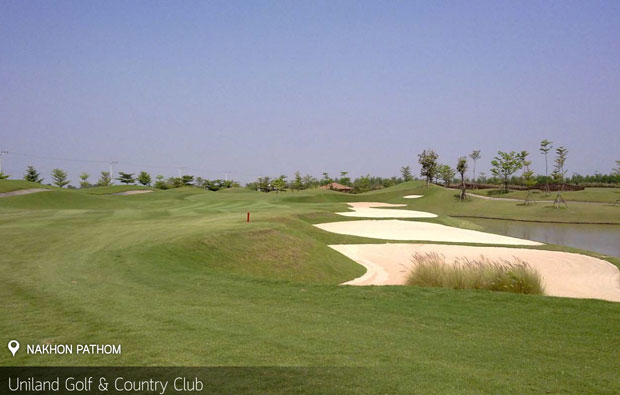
[432, 270]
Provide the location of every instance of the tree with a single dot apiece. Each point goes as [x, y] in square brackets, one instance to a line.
[125, 178]
[362, 184]
[528, 177]
[144, 178]
[406, 173]
[428, 160]
[559, 173]
[104, 179]
[344, 180]
[616, 171]
[3, 176]
[32, 175]
[326, 179]
[461, 168]
[187, 180]
[160, 183]
[279, 184]
[60, 177]
[475, 156]
[297, 183]
[446, 173]
[309, 182]
[505, 165]
[545, 147]
[84, 183]
[174, 182]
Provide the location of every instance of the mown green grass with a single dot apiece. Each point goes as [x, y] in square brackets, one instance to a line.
[598, 195]
[179, 278]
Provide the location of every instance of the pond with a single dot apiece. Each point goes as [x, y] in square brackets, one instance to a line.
[604, 239]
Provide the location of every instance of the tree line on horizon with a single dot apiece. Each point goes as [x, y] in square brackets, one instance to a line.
[505, 165]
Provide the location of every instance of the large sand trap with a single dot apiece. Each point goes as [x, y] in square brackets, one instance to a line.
[424, 231]
[23, 192]
[413, 196]
[370, 210]
[134, 192]
[564, 274]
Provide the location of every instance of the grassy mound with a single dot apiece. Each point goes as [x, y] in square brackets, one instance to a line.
[432, 270]
[15, 185]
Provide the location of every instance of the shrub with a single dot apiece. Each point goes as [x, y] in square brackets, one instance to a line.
[432, 270]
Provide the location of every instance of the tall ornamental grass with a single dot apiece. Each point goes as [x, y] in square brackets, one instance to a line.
[432, 270]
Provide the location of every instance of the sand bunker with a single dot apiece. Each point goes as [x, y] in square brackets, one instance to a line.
[413, 196]
[23, 192]
[371, 210]
[564, 274]
[134, 192]
[409, 230]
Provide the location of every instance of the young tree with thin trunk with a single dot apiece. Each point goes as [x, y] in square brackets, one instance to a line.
[326, 179]
[144, 178]
[505, 165]
[474, 157]
[428, 160]
[104, 179]
[84, 183]
[461, 168]
[125, 178]
[528, 177]
[446, 173]
[160, 183]
[406, 173]
[545, 147]
[297, 183]
[32, 175]
[344, 180]
[309, 182]
[60, 178]
[559, 173]
[279, 184]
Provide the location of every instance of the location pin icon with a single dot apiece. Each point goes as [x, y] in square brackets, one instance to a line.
[13, 346]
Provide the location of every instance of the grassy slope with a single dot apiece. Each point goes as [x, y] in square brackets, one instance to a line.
[598, 195]
[14, 185]
[178, 278]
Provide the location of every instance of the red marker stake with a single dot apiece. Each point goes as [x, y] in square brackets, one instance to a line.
[248, 220]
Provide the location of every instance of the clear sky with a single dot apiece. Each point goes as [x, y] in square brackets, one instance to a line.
[267, 87]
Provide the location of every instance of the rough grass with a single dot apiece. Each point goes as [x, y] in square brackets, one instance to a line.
[432, 270]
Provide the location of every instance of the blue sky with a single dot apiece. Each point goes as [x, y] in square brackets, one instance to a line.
[266, 87]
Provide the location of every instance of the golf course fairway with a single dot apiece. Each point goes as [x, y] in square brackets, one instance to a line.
[179, 278]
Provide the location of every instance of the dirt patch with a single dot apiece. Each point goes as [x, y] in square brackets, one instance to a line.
[23, 192]
[134, 192]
